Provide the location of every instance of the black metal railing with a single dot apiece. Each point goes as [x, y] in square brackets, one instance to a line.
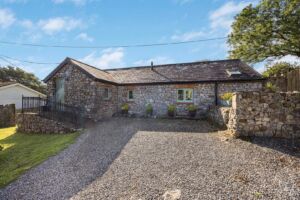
[53, 110]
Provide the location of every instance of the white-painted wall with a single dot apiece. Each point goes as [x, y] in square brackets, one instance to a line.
[13, 95]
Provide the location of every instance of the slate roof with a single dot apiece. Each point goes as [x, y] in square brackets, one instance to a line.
[205, 71]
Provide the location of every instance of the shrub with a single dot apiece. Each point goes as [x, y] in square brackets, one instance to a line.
[271, 87]
[149, 109]
[227, 96]
[1, 148]
[192, 110]
[125, 108]
[171, 110]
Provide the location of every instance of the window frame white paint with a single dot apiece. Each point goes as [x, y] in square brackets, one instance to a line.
[184, 95]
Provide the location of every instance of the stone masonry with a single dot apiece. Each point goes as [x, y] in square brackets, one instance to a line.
[160, 96]
[265, 114]
[33, 123]
[82, 90]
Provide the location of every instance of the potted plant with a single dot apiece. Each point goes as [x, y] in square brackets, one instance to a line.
[226, 99]
[192, 110]
[171, 110]
[125, 108]
[149, 109]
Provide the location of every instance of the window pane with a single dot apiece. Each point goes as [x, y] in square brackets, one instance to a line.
[130, 94]
[188, 95]
[180, 95]
[106, 93]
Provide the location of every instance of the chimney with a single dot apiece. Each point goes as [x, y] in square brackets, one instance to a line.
[151, 65]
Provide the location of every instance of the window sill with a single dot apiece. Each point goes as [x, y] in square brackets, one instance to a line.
[184, 102]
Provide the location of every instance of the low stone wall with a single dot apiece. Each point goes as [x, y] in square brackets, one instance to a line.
[265, 114]
[219, 115]
[7, 115]
[33, 123]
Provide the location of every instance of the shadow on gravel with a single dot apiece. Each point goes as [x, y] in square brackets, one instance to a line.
[287, 146]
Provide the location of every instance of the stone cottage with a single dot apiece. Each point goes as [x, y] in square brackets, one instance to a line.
[102, 92]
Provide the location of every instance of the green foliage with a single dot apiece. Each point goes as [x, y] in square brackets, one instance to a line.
[28, 79]
[1, 148]
[192, 108]
[278, 69]
[271, 87]
[125, 107]
[149, 109]
[171, 108]
[227, 96]
[24, 151]
[268, 30]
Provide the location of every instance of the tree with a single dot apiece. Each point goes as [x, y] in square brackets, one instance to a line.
[268, 30]
[16, 74]
[278, 69]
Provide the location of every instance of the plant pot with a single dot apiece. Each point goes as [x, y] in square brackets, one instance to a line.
[124, 112]
[192, 113]
[171, 113]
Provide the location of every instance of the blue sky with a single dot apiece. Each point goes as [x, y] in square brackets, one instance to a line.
[111, 22]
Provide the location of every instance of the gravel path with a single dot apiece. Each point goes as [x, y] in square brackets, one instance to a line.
[153, 159]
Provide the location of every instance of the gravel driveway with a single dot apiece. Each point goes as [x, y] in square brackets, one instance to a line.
[159, 158]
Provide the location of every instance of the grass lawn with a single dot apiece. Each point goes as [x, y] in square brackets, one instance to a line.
[23, 151]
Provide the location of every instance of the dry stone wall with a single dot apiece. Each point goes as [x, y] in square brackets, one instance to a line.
[219, 115]
[7, 115]
[265, 114]
[33, 123]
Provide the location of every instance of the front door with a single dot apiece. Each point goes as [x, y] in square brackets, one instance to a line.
[60, 90]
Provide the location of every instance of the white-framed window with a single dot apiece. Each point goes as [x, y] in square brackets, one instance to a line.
[106, 93]
[185, 95]
[130, 95]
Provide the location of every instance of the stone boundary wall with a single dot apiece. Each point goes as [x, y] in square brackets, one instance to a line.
[33, 123]
[265, 114]
[7, 115]
[219, 115]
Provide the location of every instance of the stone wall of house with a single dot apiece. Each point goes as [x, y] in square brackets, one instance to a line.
[265, 114]
[33, 123]
[83, 91]
[219, 115]
[7, 115]
[160, 96]
[239, 87]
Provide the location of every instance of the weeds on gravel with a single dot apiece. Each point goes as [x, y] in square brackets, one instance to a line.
[258, 194]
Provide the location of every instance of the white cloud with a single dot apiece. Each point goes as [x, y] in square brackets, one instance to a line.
[7, 18]
[156, 61]
[57, 24]
[26, 23]
[223, 16]
[108, 58]
[289, 58]
[188, 36]
[85, 37]
[76, 2]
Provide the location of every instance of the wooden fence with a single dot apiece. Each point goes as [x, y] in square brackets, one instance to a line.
[293, 80]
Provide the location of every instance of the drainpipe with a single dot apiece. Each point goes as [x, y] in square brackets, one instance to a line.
[216, 93]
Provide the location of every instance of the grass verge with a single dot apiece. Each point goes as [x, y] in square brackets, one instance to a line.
[23, 151]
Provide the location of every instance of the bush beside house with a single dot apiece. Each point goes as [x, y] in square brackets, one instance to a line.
[7, 115]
